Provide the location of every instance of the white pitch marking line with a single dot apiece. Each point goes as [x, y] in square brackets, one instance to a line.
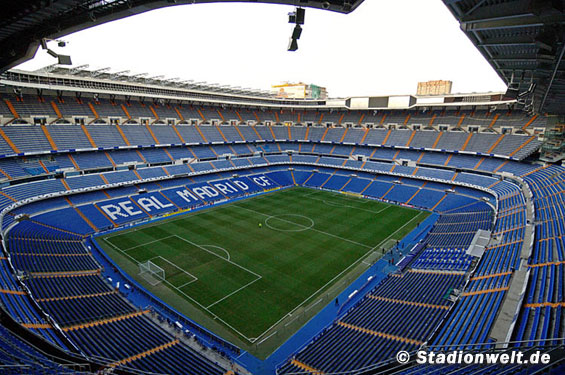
[220, 248]
[393, 233]
[188, 283]
[303, 227]
[336, 277]
[147, 243]
[335, 204]
[359, 200]
[177, 267]
[211, 252]
[250, 340]
[343, 196]
[181, 216]
[266, 338]
[111, 244]
[314, 229]
[312, 193]
[352, 199]
[229, 261]
[234, 292]
[312, 305]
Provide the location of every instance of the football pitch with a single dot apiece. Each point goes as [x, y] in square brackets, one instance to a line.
[253, 271]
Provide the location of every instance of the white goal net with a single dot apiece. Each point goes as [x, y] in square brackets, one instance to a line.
[151, 272]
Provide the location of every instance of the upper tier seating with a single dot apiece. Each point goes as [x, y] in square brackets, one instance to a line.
[29, 138]
[542, 315]
[67, 282]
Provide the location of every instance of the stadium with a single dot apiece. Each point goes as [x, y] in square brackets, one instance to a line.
[151, 226]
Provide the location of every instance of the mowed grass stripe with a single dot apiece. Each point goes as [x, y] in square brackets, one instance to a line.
[293, 226]
[292, 265]
[345, 200]
[345, 222]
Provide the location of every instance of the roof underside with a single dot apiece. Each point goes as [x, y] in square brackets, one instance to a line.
[523, 40]
[24, 23]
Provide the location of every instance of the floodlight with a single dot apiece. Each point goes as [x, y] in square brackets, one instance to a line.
[64, 60]
[52, 53]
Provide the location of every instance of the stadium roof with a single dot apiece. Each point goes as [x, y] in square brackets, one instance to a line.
[24, 23]
[524, 42]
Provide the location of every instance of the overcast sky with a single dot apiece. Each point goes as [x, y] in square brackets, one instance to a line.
[383, 47]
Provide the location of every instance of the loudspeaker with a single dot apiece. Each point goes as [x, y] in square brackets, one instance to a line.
[300, 12]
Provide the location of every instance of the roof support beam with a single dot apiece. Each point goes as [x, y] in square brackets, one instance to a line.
[502, 11]
[505, 23]
[508, 41]
[78, 69]
[477, 5]
[515, 57]
[96, 73]
[557, 63]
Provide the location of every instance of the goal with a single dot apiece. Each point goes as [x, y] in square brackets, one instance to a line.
[151, 272]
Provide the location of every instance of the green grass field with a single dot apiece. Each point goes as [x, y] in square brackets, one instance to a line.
[256, 284]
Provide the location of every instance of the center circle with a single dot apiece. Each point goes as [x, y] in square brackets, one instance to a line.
[284, 220]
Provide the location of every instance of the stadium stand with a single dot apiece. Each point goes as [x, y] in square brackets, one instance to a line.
[455, 186]
[443, 257]
[72, 168]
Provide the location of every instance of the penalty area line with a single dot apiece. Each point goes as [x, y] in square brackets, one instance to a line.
[251, 340]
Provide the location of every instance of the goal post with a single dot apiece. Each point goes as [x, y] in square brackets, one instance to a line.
[151, 272]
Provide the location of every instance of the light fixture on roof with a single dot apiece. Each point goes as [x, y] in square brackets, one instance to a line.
[62, 59]
[297, 17]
